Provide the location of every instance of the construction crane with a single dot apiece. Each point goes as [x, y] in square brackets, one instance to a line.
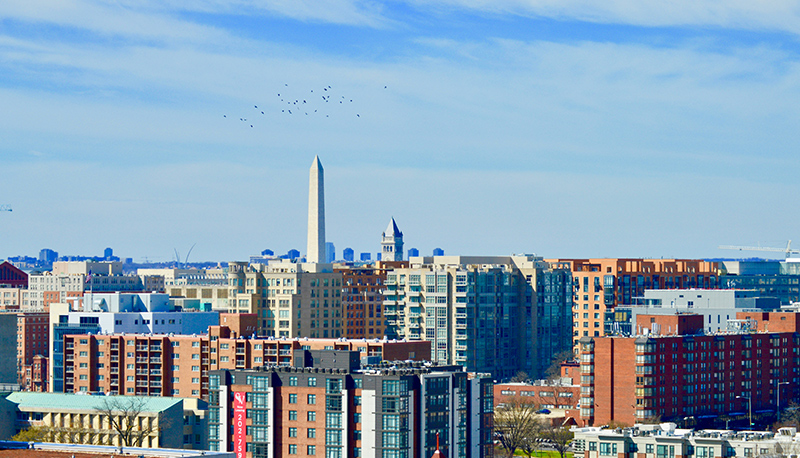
[5, 208]
[790, 253]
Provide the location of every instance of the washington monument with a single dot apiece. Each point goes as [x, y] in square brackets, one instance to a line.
[315, 251]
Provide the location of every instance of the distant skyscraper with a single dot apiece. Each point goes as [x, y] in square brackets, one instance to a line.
[413, 252]
[348, 254]
[366, 256]
[48, 256]
[315, 251]
[392, 243]
[330, 252]
[438, 252]
[108, 253]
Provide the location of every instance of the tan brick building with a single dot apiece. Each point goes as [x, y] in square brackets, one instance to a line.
[362, 300]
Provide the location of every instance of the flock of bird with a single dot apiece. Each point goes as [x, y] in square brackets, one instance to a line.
[312, 103]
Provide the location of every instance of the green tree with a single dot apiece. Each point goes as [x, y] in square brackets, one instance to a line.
[34, 434]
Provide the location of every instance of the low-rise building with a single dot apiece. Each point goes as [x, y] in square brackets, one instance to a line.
[668, 441]
[71, 418]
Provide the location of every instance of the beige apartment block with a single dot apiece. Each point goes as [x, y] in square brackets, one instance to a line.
[290, 299]
[11, 298]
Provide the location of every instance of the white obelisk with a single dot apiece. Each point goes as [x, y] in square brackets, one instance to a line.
[316, 213]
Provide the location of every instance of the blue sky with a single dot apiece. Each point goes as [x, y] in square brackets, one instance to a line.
[566, 129]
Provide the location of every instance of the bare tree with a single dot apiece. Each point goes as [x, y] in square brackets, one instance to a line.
[515, 422]
[124, 415]
[557, 437]
[554, 371]
[520, 377]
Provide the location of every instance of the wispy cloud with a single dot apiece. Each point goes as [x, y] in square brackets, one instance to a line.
[781, 15]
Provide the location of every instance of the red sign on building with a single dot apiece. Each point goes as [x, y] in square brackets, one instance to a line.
[240, 424]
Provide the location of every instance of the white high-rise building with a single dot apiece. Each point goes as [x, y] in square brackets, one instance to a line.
[315, 251]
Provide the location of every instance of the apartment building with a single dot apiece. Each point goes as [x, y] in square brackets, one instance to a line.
[105, 313]
[668, 441]
[330, 405]
[718, 307]
[70, 279]
[290, 299]
[780, 279]
[178, 365]
[688, 374]
[601, 284]
[362, 300]
[484, 313]
[33, 330]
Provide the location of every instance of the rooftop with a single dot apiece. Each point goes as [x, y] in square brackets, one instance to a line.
[68, 401]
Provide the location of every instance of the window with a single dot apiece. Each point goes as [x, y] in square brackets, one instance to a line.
[312, 416]
[293, 398]
[293, 415]
[312, 449]
[312, 398]
[292, 381]
[311, 433]
[292, 449]
[292, 432]
[608, 449]
[312, 381]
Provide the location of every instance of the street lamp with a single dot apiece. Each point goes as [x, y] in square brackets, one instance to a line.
[778, 411]
[749, 408]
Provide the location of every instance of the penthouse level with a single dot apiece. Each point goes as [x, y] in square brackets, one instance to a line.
[705, 378]
[178, 365]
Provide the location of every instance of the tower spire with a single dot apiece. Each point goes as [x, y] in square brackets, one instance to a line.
[315, 251]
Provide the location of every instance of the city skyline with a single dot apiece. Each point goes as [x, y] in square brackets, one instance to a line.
[586, 130]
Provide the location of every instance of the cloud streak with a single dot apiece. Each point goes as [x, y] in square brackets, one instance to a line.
[775, 15]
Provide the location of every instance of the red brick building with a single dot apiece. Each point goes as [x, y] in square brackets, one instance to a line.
[165, 365]
[691, 375]
[12, 277]
[32, 342]
[561, 394]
